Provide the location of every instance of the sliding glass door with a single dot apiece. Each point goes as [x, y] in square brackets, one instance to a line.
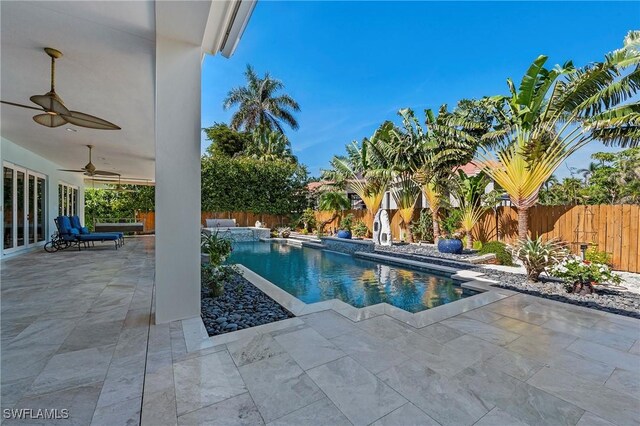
[24, 207]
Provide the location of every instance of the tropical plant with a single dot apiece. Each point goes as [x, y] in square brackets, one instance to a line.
[503, 255]
[537, 255]
[217, 247]
[469, 193]
[422, 228]
[360, 229]
[226, 141]
[451, 139]
[555, 112]
[364, 170]
[259, 105]
[268, 145]
[450, 224]
[308, 219]
[334, 202]
[347, 222]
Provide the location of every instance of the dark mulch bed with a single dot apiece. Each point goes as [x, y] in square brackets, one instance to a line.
[242, 305]
[616, 302]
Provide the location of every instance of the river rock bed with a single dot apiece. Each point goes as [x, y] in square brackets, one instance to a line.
[609, 300]
[242, 305]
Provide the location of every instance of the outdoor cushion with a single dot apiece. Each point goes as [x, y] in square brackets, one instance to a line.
[97, 237]
[64, 225]
[75, 222]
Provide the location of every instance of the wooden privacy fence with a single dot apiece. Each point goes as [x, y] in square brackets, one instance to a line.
[614, 229]
[242, 219]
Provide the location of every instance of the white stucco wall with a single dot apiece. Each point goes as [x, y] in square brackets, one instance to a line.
[14, 153]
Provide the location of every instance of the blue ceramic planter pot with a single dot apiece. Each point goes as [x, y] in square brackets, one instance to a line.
[450, 246]
[344, 234]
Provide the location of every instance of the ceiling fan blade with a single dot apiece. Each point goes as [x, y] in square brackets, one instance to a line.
[21, 106]
[104, 173]
[85, 120]
[50, 102]
[49, 120]
[70, 170]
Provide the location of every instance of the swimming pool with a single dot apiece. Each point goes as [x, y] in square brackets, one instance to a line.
[314, 275]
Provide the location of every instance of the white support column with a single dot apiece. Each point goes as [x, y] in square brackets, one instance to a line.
[177, 228]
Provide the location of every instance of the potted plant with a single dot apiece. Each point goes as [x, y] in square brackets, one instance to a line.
[583, 275]
[345, 226]
[450, 241]
[284, 232]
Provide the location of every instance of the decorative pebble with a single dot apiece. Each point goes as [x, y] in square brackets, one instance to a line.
[242, 305]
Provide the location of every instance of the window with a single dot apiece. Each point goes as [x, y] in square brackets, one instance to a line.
[67, 200]
[24, 207]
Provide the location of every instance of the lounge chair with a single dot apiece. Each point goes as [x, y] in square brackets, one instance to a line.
[75, 223]
[69, 236]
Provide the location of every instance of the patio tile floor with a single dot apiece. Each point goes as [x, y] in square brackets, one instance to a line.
[82, 338]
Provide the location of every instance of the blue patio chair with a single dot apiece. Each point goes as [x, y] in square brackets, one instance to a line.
[75, 223]
[69, 236]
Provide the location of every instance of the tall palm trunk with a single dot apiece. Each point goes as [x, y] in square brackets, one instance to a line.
[523, 223]
[469, 241]
[436, 226]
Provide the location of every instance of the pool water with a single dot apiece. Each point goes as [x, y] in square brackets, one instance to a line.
[314, 275]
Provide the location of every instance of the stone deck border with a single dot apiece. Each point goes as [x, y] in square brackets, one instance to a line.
[197, 338]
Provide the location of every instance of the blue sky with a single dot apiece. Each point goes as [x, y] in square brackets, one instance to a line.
[352, 65]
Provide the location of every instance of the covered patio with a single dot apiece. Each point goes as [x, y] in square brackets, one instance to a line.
[84, 339]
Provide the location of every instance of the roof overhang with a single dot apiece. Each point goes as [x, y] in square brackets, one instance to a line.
[108, 70]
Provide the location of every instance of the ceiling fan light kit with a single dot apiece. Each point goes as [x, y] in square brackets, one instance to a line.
[55, 112]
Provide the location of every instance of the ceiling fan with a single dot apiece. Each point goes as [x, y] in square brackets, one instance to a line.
[55, 112]
[90, 168]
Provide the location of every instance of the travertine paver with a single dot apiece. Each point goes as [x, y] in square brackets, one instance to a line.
[520, 360]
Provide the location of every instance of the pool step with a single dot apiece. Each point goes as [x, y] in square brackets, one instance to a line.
[312, 244]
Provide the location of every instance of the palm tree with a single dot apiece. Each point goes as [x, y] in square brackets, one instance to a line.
[555, 112]
[469, 193]
[334, 202]
[450, 141]
[364, 170]
[588, 172]
[269, 145]
[259, 106]
[402, 147]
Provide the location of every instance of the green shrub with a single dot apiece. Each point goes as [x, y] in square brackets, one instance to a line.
[503, 255]
[450, 225]
[347, 222]
[422, 229]
[593, 255]
[217, 247]
[360, 229]
[537, 255]
[477, 245]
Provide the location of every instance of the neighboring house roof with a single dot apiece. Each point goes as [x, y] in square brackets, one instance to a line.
[475, 167]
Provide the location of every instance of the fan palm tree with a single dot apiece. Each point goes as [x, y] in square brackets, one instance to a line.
[588, 172]
[451, 140]
[334, 202]
[259, 105]
[469, 192]
[364, 170]
[555, 112]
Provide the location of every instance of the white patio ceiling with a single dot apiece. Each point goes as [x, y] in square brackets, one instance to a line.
[107, 70]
